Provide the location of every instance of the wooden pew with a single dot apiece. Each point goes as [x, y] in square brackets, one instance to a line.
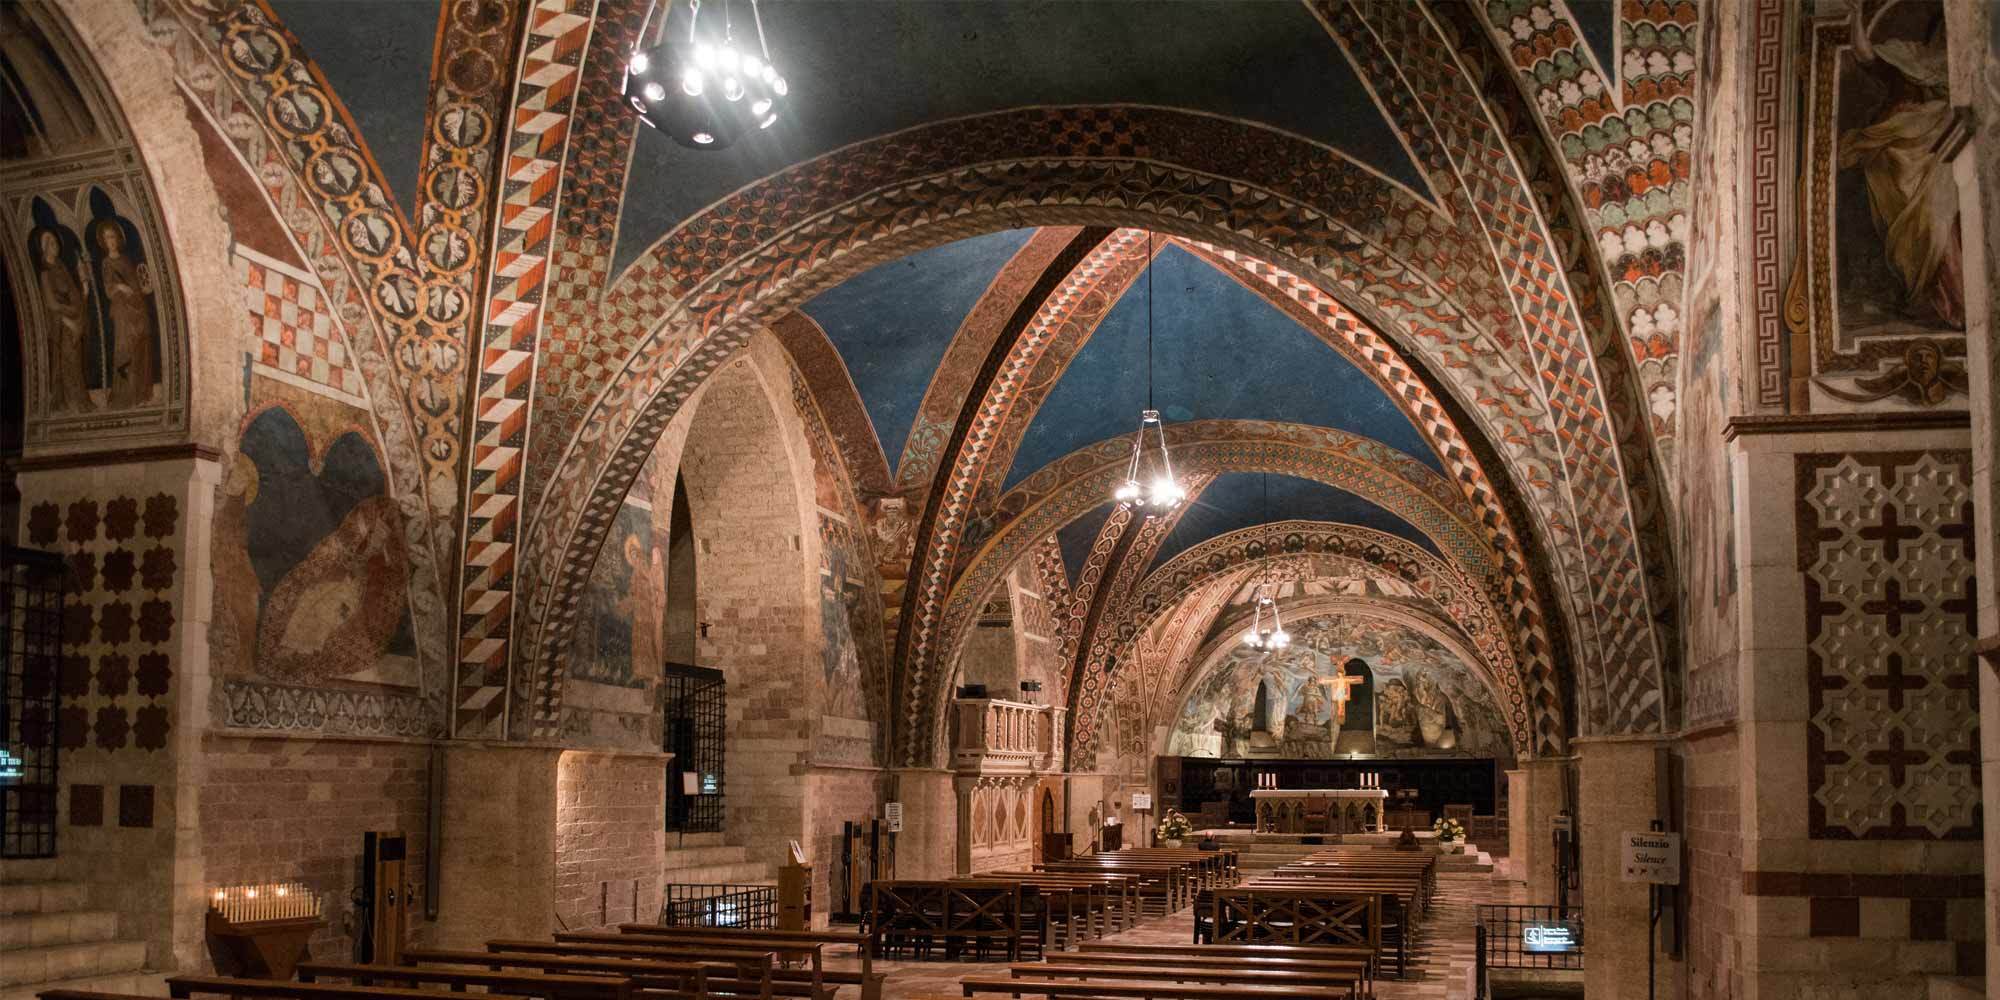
[689, 977]
[1146, 990]
[915, 913]
[182, 987]
[554, 986]
[752, 968]
[782, 942]
[1343, 979]
[1115, 894]
[1244, 955]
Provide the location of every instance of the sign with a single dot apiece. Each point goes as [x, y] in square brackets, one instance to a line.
[1142, 801]
[10, 767]
[1551, 937]
[892, 816]
[1651, 857]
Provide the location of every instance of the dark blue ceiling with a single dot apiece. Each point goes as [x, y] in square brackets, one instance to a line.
[1237, 500]
[1075, 538]
[891, 324]
[1598, 20]
[1220, 353]
[376, 54]
[863, 68]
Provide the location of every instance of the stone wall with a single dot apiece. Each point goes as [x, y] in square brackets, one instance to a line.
[609, 836]
[273, 807]
[1713, 866]
[839, 795]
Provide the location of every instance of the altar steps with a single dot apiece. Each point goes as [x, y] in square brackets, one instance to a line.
[51, 940]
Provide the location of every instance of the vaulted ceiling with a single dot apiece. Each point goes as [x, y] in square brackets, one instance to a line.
[1413, 278]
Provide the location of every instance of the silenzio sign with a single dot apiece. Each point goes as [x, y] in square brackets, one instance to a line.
[1652, 857]
[1551, 937]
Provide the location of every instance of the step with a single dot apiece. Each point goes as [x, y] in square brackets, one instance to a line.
[27, 966]
[42, 896]
[28, 930]
[142, 983]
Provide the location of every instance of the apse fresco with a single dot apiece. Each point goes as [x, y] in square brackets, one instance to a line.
[1415, 698]
[310, 556]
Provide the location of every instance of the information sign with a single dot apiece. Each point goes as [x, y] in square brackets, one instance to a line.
[1651, 857]
[1551, 937]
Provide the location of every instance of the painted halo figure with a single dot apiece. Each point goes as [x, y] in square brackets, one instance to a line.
[134, 363]
[67, 298]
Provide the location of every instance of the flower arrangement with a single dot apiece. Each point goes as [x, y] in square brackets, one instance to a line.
[1174, 826]
[1449, 830]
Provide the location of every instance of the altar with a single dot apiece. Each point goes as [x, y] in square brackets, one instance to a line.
[1320, 810]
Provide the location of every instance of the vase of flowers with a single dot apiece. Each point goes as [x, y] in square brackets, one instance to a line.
[1450, 834]
[1174, 827]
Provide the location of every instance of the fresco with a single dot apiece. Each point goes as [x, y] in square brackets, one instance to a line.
[43, 111]
[842, 614]
[310, 556]
[620, 639]
[1419, 700]
[100, 338]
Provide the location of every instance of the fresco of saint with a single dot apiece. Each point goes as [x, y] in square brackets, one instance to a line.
[66, 298]
[126, 290]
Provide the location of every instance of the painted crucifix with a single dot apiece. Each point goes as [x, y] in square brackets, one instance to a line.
[1337, 687]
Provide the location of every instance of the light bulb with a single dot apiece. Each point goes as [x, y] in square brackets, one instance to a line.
[704, 54]
[654, 92]
[761, 106]
[780, 87]
[702, 137]
[770, 73]
[1128, 492]
[691, 81]
[751, 67]
[768, 120]
[640, 63]
[726, 59]
[281, 890]
[252, 893]
[1281, 638]
[732, 89]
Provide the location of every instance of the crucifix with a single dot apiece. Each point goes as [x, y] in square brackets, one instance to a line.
[1337, 688]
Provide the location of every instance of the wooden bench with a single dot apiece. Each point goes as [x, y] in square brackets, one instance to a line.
[554, 986]
[1341, 979]
[1243, 955]
[688, 976]
[182, 987]
[912, 915]
[753, 969]
[783, 942]
[973, 985]
[1358, 962]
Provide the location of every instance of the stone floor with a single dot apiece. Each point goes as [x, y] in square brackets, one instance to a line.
[1441, 966]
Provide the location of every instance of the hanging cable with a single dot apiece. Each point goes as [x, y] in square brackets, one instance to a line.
[1149, 319]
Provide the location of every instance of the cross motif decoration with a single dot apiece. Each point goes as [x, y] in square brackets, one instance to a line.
[1337, 688]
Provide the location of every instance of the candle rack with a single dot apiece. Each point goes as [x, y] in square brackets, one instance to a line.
[262, 931]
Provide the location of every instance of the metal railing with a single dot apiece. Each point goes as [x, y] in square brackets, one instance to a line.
[1528, 938]
[715, 904]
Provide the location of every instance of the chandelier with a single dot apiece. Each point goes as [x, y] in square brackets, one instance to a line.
[1160, 494]
[704, 90]
[1266, 633]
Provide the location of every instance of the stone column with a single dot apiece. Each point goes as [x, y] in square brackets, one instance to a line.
[1617, 793]
[928, 846]
[496, 866]
[1531, 819]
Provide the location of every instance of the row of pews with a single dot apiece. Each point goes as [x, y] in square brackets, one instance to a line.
[1014, 912]
[1320, 928]
[657, 963]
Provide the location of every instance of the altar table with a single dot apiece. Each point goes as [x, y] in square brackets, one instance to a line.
[1321, 810]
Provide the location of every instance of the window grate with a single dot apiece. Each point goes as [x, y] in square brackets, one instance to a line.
[697, 718]
[31, 632]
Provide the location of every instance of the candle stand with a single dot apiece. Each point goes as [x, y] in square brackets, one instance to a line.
[259, 949]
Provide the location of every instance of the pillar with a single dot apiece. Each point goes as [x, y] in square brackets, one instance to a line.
[1617, 792]
[928, 846]
[1531, 822]
[496, 865]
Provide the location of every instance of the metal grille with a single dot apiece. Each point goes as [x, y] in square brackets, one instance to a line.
[697, 718]
[1500, 939]
[690, 904]
[31, 622]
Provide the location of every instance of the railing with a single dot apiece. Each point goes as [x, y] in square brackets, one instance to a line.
[1527, 938]
[999, 736]
[692, 904]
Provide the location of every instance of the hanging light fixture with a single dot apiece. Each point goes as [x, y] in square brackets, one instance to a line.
[1266, 633]
[704, 90]
[1160, 494]
[1267, 636]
